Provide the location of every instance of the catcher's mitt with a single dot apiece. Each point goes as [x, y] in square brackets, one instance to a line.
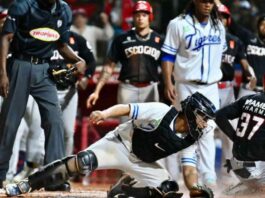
[63, 76]
[201, 192]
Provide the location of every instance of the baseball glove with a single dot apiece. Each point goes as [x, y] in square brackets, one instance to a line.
[63, 76]
[201, 192]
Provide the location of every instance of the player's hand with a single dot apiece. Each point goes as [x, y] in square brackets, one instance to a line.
[4, 85]
[104, 18]
[96, 117]
[91, 101]
[252, 82]
[170, 93]
[81, 66]
[82, 83]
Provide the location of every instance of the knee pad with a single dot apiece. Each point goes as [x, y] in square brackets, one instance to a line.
[86, 161]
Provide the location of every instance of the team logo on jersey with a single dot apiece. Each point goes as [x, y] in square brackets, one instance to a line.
[45, 34]
[196, 43]
[128, 40]
[142, 49]
[59, 23]
[255, 50]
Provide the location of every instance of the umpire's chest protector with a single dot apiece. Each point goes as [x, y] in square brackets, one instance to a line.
[150, 146]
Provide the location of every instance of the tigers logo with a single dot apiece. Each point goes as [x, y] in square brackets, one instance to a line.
[45, 34]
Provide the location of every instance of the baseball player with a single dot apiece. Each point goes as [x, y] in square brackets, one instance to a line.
[255, 48]
[193, 50]
[154, 132]
[68, 99]
[248, 141]
[139, 52]
[235, 52]
[32, 30]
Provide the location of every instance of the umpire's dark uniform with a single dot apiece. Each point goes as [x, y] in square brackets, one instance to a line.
[36, 31]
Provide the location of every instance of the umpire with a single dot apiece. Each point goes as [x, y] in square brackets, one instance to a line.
[33, 30]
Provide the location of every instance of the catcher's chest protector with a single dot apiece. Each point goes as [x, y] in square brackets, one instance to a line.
[151, 146]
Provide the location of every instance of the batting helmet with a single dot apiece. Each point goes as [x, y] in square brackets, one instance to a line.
[194, 105]
[222, 9]
[144, 6]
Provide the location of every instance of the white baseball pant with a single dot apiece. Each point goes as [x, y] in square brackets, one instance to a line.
[112, 154]
[206, 144]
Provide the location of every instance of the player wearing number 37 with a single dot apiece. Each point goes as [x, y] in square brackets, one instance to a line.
[248, 161]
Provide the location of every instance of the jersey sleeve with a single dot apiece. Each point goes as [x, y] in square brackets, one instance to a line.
[241, 53]
[114, 51]
[148, 111]
[171, 43]
[223, 38]
[85, 52]
[65, 32]
[15, 15]
[227, 113]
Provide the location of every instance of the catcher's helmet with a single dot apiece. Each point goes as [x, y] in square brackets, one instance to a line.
[222, 9]
[144, 6]
[194, 105]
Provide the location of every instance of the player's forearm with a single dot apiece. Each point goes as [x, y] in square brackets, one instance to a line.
[106, 73]
[167, 69]
[117, 111]
[68, 54]
[247, 68]
[4, 46]
[224, 124]
[190, 176]
[108, 31]
[217, 2]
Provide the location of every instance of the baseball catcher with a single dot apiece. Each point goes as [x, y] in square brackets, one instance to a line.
[155, 131]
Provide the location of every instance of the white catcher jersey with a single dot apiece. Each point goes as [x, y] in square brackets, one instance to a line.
[143, 115]
[198, 49]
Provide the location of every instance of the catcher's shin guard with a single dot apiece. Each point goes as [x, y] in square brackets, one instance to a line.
[59, 171]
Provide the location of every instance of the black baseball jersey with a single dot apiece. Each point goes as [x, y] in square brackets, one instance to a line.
[249, 137]
[82, 48]
[36, 30]
[139, 58]
[150, 146]
[255, 50]
[235, 52]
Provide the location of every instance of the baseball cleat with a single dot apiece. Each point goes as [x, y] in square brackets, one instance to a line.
[15, 189]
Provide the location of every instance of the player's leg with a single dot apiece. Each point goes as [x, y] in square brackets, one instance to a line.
[251, 176]
[108, 152]
[149, 93]
[243, 91]
[12, 111]
[23, 128]
[127, 94]
[69, 116]
[34, 141]
[144, 180]
[44, 92]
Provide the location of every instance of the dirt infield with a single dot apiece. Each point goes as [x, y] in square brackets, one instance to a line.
[100, 191]
[78, 190]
